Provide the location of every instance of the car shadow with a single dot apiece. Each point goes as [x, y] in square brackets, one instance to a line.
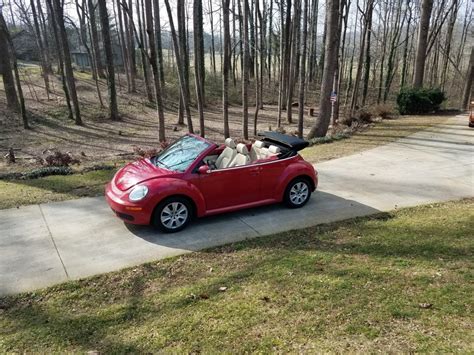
[232, 227]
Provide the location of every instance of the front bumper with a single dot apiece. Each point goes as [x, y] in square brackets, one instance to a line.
[125, 210]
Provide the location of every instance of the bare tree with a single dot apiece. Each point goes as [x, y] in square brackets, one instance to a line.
[179, 62]
[6, 69]
[226, 67]
[467, 92]
[39, 42]
[245, 71]
[423, 30]
[159, 47]
[105, 28]
[199, 61]
[154, 67]
[5, 38]
[332, 20]
[58, 15]
[95, 40]
[302, 73]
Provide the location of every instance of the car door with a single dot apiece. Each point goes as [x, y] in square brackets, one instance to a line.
[270, 175]
[230, 187]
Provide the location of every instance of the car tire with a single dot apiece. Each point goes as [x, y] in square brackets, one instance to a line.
[173, 214]
[297, 193]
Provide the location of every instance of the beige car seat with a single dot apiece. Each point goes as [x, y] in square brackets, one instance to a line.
[242, 157]
[258, 151]
[255, 151]
[273, 150]
[227, 155]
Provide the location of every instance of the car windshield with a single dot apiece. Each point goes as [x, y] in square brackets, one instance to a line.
[181, 154]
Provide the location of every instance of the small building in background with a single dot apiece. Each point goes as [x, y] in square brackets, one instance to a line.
[80, 58]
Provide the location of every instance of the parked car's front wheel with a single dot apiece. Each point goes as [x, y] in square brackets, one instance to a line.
[297, 193]
[172, 214]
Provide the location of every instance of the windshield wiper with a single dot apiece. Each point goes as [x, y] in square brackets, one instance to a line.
[157, 161]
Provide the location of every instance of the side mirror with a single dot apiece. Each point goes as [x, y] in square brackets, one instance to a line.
[204, 170]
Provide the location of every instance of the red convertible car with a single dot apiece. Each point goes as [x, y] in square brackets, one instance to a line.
[195, 177]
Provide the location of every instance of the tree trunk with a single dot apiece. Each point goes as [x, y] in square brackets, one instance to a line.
[245, 72]
[144, 56]
[281, 84]
[365, 89]
[133, 58]
[7, 71]
[257, 79]
[39, 41]
[57, 40]
[159, 46]
[69, 73]
[293, 62]
[213, 50]
[42, 23]
[302, 72]
[154, 68]
[226, 68]
[332, 19]
[6, 41]
[360, 61]
[406, 46]
[424, 27]
[198, 55]
[449, 38]
[468, 88]
[180, 67]
[183, 52]
[123, 43]
[270, 44]
[95, 40]
[104, 24]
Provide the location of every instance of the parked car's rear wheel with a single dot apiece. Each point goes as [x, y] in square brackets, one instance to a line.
[297, 193]
[172, 214]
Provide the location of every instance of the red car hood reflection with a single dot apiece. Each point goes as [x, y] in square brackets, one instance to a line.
[137, 172]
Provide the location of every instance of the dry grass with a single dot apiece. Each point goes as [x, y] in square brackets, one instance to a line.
[378, 134]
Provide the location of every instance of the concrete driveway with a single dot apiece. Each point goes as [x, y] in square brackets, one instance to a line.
[42, 245]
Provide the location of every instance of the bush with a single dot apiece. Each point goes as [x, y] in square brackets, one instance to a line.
[150, 152]
[382, 110]
[417, 101]
[38, 173]
[58, 158]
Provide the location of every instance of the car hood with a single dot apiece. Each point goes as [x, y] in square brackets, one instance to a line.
[137, 172]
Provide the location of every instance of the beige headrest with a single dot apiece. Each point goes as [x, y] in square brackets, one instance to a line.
[229, 142]
[258, 144]
[274, 149]
[242, 149]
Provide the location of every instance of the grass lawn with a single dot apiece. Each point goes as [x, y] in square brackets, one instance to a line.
[396, 282]
[60, 188]
[53, 188]
[381, 133]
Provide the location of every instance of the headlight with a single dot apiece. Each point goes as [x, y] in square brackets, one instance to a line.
[138, 193]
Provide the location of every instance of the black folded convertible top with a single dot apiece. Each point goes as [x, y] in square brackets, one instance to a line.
[291, 142]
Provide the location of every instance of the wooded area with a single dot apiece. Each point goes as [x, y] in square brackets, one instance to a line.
[337, 57]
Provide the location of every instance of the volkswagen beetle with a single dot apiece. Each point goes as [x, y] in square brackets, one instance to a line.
[194, 177]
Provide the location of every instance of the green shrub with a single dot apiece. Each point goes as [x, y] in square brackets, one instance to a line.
[417, 101]
[38, 173]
